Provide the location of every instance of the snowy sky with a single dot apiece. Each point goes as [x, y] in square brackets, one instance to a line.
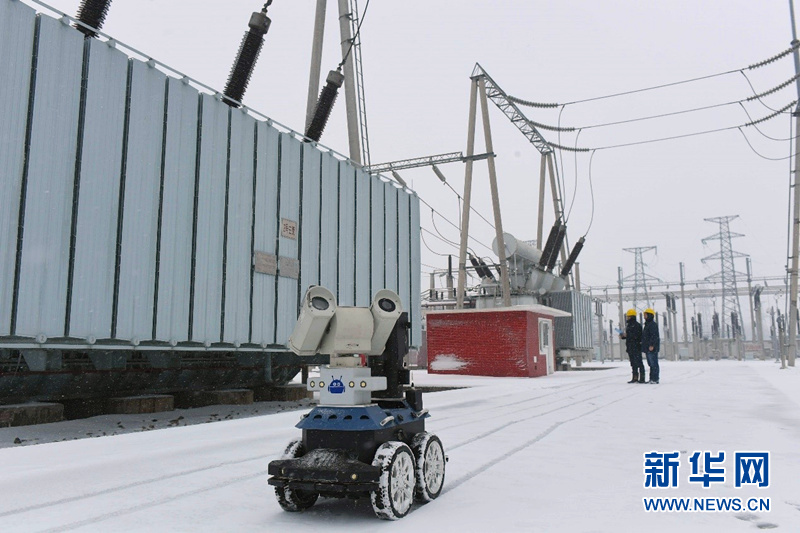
[418, 56]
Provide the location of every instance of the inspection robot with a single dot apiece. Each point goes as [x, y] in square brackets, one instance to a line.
[367, 435]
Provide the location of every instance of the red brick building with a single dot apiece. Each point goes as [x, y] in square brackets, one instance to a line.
[513, 341]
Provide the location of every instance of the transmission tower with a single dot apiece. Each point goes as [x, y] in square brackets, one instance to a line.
[639, 277]
[727, 275]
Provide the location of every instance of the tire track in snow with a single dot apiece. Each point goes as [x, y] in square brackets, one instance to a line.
[518, 421]
[559, 390]
[510, 404]
[502, 407]
[132, 485]
[486, 466]
[150, 504]
[473, 473]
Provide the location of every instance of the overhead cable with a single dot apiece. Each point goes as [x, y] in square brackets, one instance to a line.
[746, 112]
[748, 124]
[591, 190]
[762, 156]
[760, 64]
[452, 224]
[773, 115]
[755, 96]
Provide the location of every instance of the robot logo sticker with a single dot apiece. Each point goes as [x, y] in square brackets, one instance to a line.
[336, 386]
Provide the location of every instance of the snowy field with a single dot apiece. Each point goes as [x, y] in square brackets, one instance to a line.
[562, 453]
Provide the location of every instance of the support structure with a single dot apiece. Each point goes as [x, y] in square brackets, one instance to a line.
[359, 83]
[639, 277]
[683, 306]
[462, 250]
[598, 310]
[528, 128]
[750, 300]
[727, 274]
[345, 29]
[478, 85]
[429, 160]
[793, 270]
[316, 60]
[621, 315]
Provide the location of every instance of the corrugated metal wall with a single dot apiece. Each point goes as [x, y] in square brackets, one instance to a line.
[138, 209]
[574, 331]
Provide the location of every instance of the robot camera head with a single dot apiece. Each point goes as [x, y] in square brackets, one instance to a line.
[324, 328]
[319, 307]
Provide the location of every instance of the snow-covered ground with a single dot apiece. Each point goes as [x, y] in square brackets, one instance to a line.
[561, 453]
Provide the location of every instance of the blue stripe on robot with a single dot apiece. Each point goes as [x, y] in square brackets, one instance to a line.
[336, 386]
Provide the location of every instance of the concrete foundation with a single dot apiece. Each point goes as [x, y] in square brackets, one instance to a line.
[285, 393]
[133, 405]
[186, 400]
[28, 414]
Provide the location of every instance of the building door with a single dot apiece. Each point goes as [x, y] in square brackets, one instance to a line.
[546, 343]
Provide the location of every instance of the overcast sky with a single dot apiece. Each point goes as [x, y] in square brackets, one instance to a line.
[418, 56]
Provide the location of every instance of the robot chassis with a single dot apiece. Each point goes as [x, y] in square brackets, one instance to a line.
[367, 436]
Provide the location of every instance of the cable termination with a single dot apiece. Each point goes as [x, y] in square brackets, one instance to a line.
[774, 89]
[774, 58]
[528, 103]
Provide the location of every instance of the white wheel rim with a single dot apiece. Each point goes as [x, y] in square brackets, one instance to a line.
[434, 467]
[402, 484]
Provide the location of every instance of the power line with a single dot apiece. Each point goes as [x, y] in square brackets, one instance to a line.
[753, 66]
[422, 237]
[694, 134]
[591, 190]
[753, 97]
[761, 155]
[451, 223]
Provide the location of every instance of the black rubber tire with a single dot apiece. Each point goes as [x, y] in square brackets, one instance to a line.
[395, 494]
[430, 466]
[293, 500]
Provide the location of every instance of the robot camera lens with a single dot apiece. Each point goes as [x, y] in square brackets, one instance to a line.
[319, 303]
[387, 305]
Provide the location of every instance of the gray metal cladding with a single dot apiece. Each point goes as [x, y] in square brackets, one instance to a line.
[347, 234]
[210, 221]
[392, 238]
[17, 22]
[154, 212]
[42, 291]
[329, 235]
[310, 219]
[575, 331]
[265, 231]
[364, 289]
[239, 229]
[404, 249]
[139, 204]
[289, 213]
[378, 237]
[177, 213]
[97, 182]
[414, 267]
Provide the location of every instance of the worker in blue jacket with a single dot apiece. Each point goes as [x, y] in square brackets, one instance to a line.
[651, 342]
[633, 345]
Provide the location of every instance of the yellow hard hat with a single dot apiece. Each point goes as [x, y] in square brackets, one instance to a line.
[650, 310]
[631, 312]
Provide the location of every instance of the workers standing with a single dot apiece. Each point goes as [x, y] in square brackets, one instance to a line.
[651, 343]
[633, 345]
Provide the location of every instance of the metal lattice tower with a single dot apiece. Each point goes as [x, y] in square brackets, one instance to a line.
[727, 274]
[639, 277]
